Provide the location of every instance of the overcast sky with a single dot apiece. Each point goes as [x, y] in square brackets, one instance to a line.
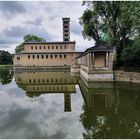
[40, 18]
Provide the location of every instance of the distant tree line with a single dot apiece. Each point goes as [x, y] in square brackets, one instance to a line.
[5, 58]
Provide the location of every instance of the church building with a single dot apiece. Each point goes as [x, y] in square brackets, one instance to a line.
[48, 54]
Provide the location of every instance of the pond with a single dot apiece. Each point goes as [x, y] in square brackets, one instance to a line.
[50, 104]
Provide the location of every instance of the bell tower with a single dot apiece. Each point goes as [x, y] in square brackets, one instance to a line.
[66, 29]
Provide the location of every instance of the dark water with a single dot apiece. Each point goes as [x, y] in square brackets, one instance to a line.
[57, 105]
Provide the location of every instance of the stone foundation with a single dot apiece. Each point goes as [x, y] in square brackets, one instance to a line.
[90, 77]
[127, 76]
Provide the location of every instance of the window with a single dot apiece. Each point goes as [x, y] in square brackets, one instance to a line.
[36, 47]
[56, 47]
[42, 56]
[32, 47]
[65, 39]
[55, 56]
[48, 47]
[18, 58]
[46, 56]
[28, 56]
[64, 55]
[37, 56]
[60, 47]
[65, 47]
[33, 56]
[40, 47]
[60, 56]
[51, 56]
[52, 47]
[44, 47]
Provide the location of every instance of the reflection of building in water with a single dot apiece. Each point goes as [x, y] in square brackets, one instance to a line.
[37, 83]
[97, 96]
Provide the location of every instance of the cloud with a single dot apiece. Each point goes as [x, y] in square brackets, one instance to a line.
[11, 8]
[36, 22]
[40, 18]
[21, 31]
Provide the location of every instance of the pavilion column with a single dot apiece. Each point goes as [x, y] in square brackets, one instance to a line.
[89, 60]
[107, 60]
[93, 60]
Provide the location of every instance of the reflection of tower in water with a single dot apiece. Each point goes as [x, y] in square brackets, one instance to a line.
[47, 82]
[67, 104]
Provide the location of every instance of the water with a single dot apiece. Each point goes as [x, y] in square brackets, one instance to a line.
[57, 105]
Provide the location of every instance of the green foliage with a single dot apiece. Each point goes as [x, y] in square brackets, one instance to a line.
[33, 38]
[131, 55]
[5, 57]
[119, 20]
[6, 74]
[19, 48]
[28, 38]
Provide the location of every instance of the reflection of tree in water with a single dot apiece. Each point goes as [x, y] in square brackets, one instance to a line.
[123, 121]
[6, 75]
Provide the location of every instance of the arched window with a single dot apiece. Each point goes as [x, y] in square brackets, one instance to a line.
[47, 56]
[37, 56]
[42, 56]
[56, 47]
[32, 47]
[36, 47]
[51, 56]
[55, 56]
[60, 56]
[33, 56]
[28, 56]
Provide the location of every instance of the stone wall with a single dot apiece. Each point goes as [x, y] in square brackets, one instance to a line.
[127, 76]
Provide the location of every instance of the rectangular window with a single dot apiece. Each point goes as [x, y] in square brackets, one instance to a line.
[18, 58]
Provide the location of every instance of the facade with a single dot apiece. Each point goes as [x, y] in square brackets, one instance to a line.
[48, 54]
[97, 58]
[95, 64]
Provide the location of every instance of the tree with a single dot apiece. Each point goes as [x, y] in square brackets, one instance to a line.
[28, 38]
[33, 38]
[131, 55]
[119, 20]
[5, 57]
[6, 75]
